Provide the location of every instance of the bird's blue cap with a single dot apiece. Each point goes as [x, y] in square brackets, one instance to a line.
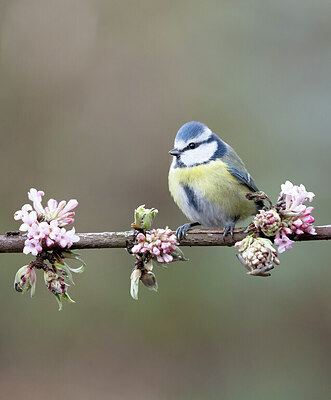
[190, 130]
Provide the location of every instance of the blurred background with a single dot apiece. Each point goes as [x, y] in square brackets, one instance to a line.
[92, 93]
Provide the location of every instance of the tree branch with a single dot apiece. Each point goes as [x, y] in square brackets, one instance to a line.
[14, 243]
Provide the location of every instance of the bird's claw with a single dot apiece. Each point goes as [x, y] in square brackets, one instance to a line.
[228, 229]
[181, 231]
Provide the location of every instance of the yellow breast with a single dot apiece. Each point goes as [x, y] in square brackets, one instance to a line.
[214, 183]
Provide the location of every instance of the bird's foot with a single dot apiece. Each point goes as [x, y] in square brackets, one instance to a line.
[181, 230]
[229, 229]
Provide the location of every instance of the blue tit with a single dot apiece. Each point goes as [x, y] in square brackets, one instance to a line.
[208, 180]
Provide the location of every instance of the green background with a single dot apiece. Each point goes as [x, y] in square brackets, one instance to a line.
[92, 94]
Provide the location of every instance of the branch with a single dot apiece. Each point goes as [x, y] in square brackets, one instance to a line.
[12, 242]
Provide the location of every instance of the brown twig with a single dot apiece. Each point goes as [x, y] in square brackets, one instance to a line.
[10, 243]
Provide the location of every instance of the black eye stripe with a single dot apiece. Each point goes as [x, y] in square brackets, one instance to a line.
[191, 148]
[197, 144]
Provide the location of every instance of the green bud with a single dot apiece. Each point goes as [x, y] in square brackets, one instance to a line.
[25, 280]
[143, 217]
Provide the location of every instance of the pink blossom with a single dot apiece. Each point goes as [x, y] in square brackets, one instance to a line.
[283, 242]
[295, 196]
[72, 237]
[28, 220]
[286, 230]
[141, 237]
[137, 248]
[298, 192]
[156, 251]
[61, 212]
[311, 230]
[73, 203]
[54, 229]
[296, 216]
[160, 243]
[62, 238]
[36, 196]
[38, 230]
[300, 223]
[49, 241]
[32, 246]
[23, 212]
[46, 225]
[66, 238]
[268, 221]
[167, 257]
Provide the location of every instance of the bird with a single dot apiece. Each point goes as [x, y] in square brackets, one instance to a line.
[208, 181]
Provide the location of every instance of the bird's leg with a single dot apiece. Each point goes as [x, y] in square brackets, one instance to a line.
[230, 227]
[181, 230]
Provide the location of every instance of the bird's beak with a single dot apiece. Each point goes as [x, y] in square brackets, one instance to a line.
[174, 152]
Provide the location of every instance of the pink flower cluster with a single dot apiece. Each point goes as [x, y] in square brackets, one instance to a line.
[257, 254]
[160, 243]
[296, 217]
[268, 221]
[46, 225]
[289, 216]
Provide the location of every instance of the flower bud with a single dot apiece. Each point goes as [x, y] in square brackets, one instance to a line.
[57, 285]
[258, 255]
[268, 221]
[149, 280]
[54, 282]
[143, 217]
[25, 280]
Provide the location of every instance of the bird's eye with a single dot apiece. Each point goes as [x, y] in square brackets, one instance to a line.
[191, 145]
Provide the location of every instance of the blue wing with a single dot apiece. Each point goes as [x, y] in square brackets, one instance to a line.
[244, 177]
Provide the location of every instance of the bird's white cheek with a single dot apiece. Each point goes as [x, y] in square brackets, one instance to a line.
[200, 155]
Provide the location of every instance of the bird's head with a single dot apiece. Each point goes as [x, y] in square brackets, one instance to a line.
[196, 144]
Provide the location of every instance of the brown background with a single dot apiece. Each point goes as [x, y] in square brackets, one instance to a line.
[92, 94]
